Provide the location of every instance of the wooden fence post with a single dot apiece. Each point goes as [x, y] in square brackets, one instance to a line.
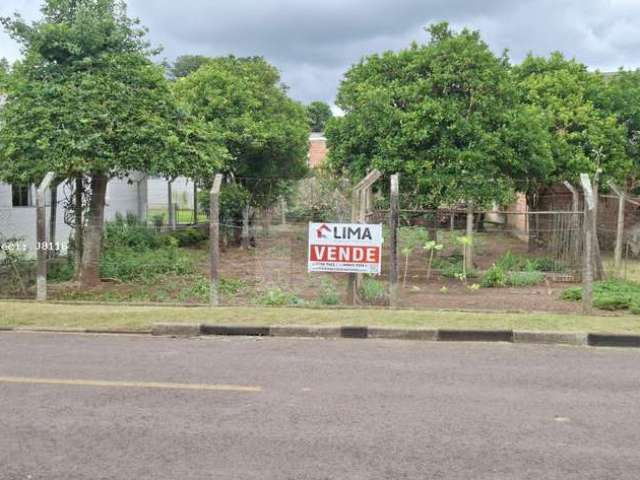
[214, 240]
[394, 222]
[352, 295]
[575, 222]
[587, 276]
[245, 228]
[41, 237]
[283, 210]
[622, 200]
[598, 268]
[469, 247]
[358, 215]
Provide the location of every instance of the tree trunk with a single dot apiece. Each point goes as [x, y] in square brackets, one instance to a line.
[79, 226]
[92, 241]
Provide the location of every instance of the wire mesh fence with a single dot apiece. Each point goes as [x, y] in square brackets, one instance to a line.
[519, 260]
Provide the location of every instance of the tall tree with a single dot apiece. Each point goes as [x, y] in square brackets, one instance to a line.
[444, 114]
[86, 101]
[187, 64]
[621, 97]
[265, 132]
[582, 137]
[319, 114]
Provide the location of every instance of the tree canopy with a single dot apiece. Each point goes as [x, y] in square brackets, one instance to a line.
[265, 132]
[319, 114]
[621, 97]
[444, 114]
[187, 64]
[461, 124]
[86, 100]
[582, 137]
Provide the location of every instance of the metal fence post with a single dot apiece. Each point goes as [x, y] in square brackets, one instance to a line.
[41, 237]
[587, 277]
[172, 210]
[214, 241]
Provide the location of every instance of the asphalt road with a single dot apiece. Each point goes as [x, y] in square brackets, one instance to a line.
[101, 407]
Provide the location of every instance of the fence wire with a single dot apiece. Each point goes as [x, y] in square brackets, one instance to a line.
[538, 254]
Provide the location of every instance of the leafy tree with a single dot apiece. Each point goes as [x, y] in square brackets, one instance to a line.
[4, 71]
[621, 97]
[87, 102]
[187, 64]
[442, 114]
[319, 114]
[582, 137]
[265, 132]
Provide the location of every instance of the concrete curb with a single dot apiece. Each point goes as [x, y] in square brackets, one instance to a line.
[235, 330]
[176, 330]
[613, 340]
[305, 331]
[475, 336]
[403, 334]
[550, 338]
[354, 332]
[359, 332]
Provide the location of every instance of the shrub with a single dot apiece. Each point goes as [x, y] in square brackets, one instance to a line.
[189, 237]
[158, 220]
[610, 295]
[128, 264]
[61, 271]
[277, 297]
[231, 286]
[456, 270]
[611, 302]
[516, 263]
[510, 262]
[328, 293]
[373, 291]
[525, 279]
[573, 294]
[494, 277]
[546, 264]
[129, 232]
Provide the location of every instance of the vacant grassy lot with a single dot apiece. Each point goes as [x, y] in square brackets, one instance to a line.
[65, 316]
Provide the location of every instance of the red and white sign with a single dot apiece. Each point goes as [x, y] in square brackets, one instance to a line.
[345, 248]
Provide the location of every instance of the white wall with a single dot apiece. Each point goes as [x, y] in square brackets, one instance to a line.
[20, 222]
[182, 192]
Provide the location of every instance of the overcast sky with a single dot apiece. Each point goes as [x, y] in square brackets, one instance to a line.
[314, 42]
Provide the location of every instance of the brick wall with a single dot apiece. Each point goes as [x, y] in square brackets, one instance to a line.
[317, 152]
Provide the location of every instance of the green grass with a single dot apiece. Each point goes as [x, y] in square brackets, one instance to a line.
[631, 270]
[183, 216]
[64, 316]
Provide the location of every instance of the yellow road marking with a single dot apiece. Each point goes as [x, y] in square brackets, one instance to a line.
[156, 385]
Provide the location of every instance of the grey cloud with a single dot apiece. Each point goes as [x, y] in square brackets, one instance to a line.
[313, 43]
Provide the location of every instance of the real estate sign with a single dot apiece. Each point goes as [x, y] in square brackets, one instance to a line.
[345, 248]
